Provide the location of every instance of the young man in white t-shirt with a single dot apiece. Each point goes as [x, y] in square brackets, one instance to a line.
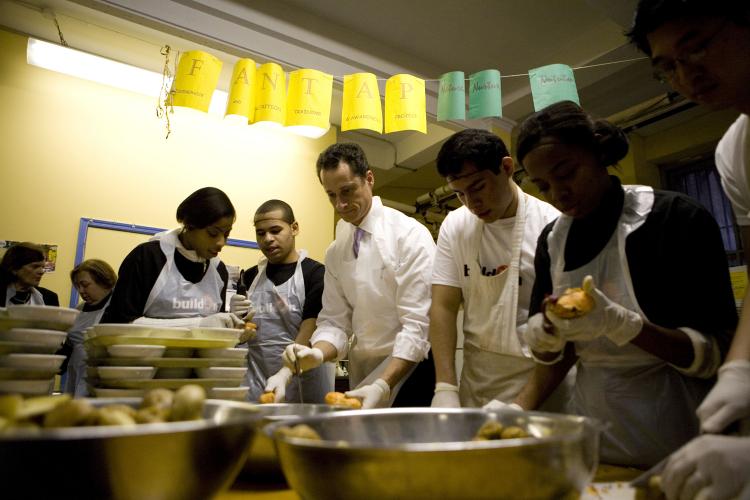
[485, 262]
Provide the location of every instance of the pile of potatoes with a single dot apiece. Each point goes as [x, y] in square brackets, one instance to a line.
[158, 405]
[491, 430]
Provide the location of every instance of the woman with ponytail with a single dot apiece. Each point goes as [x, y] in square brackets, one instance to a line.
[653, 262]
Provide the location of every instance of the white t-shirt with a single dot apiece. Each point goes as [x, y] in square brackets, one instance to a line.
[453, 253]
[733, 163]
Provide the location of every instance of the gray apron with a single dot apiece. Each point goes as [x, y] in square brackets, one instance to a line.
[75, 382]
[175, 297]
[648, 405]
[278, 317]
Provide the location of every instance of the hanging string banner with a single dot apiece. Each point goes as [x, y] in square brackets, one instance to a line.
[260, 94]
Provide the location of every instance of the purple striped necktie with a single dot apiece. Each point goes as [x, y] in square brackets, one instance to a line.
[358, 233]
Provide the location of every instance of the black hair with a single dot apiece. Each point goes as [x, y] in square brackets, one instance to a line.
[18, 256]
[567, 122]
[346, 152]
[652, 14]
[287, 214]
[101, 272]
[204, 207]
[479, 147]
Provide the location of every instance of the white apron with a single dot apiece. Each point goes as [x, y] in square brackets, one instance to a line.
[495, 366]
[649, 406]
[175, 297]
[368, 275]
[75, 381]
[35, 299]
[278, 316]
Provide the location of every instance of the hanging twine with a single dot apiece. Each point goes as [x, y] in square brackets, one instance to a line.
[164, 101]
[59, 31]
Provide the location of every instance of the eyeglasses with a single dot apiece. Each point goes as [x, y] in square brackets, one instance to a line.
[665, 71]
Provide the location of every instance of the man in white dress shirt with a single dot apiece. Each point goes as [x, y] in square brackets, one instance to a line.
[376, 296]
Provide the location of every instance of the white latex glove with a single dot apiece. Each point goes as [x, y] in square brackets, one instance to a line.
[277, 384]
[716, 466]
[729, 400]
[618, 323]
[307, 357]
[222, 320]
[541, 336]
[496, 404]
[241, 306]
[375, 395]
[446, 396]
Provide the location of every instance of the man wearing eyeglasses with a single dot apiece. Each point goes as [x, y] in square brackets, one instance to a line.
[702, 49]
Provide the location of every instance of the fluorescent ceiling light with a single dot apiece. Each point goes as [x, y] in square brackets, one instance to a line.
[105, 71]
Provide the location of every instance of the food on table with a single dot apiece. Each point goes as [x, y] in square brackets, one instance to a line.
[158, 405]
[340, 399]
[299, 431]
[492, 430]
[267, 397]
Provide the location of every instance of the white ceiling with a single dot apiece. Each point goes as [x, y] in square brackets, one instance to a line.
[425, 38]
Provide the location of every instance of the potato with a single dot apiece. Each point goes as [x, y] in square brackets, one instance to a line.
[112, 415]
[188, 403]
[267, 397]
[513, 432]
[69, 414]
[158, 398]
[299, 431]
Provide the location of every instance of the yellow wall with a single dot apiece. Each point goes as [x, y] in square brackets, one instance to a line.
[70, 148]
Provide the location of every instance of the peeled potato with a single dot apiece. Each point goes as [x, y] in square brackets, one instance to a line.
[267, 397]
[340, 399]
[573, 303]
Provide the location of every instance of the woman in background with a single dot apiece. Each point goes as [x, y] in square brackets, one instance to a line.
[176, 278]
[21, 270]
[94, 279]
[663, 312]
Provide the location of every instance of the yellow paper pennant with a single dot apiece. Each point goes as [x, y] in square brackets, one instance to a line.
[196, 79]
[309, 99]
[361, 107]
[242, 90]
[270, 94]
[405, 104]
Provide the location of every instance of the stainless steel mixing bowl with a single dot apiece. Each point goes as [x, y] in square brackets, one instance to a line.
[262, 464]
[429, 453]
[176, 460]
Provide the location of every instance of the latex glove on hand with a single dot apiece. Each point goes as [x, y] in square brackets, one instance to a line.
[618, 323]
[302, 357]
[222, 320]
[541, 336]
[277, 384]
[375, 395]
[717, 467]
[729, 400]
[241, 306]
[496, 404]
[446, 396]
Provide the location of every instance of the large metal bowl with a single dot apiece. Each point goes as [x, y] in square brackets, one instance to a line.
[176, 460]
[429, 453]
[262, 464]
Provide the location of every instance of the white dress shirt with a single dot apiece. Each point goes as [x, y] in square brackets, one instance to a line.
[382, 296]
